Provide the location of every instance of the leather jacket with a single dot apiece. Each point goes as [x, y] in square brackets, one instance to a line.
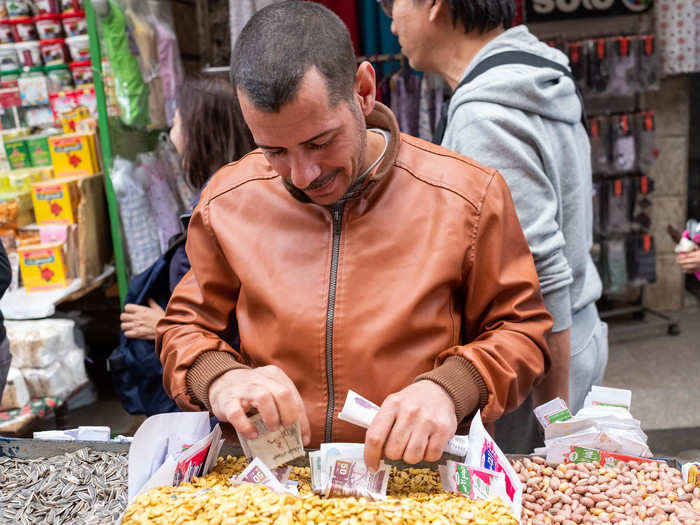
[423, 273]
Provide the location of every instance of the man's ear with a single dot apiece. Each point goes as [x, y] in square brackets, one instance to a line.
[365, 87]
[438, 9]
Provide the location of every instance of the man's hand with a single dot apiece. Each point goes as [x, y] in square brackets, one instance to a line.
[266, 389]
[689, 261]
[139, 322]
[414, 424]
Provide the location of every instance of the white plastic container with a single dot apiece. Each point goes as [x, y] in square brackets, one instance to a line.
[48, 26]
[8, 57]
[7, 34]
[24, 29]
[44, 7]
[79, 47]
[29, 53]
[68, 6]
[74, 24]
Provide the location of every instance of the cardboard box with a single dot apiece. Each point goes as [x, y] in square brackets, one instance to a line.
[56, 201]
[43, 267]
[22, 180]
[70, 119]
[17, 154]
[38, 150]
[73, 154]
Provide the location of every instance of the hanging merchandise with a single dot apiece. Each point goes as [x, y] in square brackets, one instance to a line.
[646, 150]
[599, 128]
[649, 63]
[131, 92]
[624, 67]
[598, 65]
[624, 152]
[405, 98]
[432, 95]
[240, 12]
[679, 35]
[641, 209]
[615, 265]
[641, 259]
[578, 53]
[618, 202]
[138, 223]
[145, 38]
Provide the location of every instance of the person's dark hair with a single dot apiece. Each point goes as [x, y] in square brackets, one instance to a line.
[281, 42]
[482, 15]
[213, 129]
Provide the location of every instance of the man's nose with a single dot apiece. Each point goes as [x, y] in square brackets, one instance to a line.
[303, 171]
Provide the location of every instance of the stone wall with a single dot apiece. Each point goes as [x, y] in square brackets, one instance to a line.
[671, 105]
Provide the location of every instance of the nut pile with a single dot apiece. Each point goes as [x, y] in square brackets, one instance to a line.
[82, 487]
[628, 493]
[415, 496]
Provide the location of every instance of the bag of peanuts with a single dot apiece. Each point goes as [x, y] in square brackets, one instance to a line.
[484, 453]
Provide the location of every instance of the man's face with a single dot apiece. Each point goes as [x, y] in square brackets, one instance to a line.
[318, 148]
[410, 22]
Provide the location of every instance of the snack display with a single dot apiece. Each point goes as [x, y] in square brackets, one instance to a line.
[48, 26]
[59, 77]
[24, 29]
[79, 47]
[7, 34]
[8, 57]
[29, 53]
[44, 7]
[82, 73]
[74, 23]
[54, 51]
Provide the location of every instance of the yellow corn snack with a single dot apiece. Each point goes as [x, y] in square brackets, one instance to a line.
[414, 496]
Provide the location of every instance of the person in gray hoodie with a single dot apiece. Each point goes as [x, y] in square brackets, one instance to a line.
[525, 120]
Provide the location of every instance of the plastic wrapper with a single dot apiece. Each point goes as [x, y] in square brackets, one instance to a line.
[600, 138]
[641, 258]
[164, 204]
[618, 204]
[577, 52]
[624, 148]
[16, 393]
[641, 210]
[646, 147]
[33, 344]
[474, 483]
[73, 362]
[649, 63]
[614, 265]
[624, 67]
[52, 381]
[598, 65]
[138, 223]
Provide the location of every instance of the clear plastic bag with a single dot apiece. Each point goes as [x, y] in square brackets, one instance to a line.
[52, 381]
[138, 223]
[16, 393]
[649, 63]
[624, 67]
[163, 203]
[599, 127]
[73, 363]
[598, 65]
[624, 148]
[33, 344]
[646, 143]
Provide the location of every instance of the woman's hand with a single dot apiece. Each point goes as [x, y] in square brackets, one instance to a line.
[139, 322]
[689, 261]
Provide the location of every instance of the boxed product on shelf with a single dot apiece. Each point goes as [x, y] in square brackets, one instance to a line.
[38, 149]
[74, 23]
[29, 53]
[48, 26]
[18, 9]
[79, 47]
[71, 6]
[17, 153]
[7, 35]
[59, 77]
[74, 154]
[23, 28]
[71, 117]
[56, 201]
[22, 180]
[54, 51]
[82, 73]
[43, 267]
[33, 87]
[16, 209]
[47, 7]
[8, 58]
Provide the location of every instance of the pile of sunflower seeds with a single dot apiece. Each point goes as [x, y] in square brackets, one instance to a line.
[82, 487]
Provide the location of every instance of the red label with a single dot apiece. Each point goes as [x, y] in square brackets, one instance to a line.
[647, 242]
[624, 124]
[594, 127]
[618, 187]
[644, 183]
[601, 48]
[624, 46]
[648, 121]
[649, 44]
[573, 51]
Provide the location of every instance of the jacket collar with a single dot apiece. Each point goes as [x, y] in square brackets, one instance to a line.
[381, 117]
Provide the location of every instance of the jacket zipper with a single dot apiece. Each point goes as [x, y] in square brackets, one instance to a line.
[337, 214]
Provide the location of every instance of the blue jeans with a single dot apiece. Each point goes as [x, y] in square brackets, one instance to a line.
[5, 359]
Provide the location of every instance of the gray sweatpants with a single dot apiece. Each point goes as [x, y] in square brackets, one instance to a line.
[5, 359]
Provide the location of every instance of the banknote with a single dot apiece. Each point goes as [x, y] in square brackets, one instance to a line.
[273, 447]
[350, 477]
[259, 474]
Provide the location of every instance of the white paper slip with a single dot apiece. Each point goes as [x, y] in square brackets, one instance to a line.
[360, 411]
[273, 447]
[552, 411]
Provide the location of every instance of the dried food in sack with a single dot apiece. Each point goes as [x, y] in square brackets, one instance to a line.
[578, 61]
[646, 147]
[33, 344]
[649, 63]
[52, 381]
[624, 148]
[641, 258]
[16, 394]
[598, 65]
[601, 144]
[624, 67]
[140, 232]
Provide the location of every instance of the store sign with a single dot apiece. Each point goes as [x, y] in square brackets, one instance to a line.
[545, 10]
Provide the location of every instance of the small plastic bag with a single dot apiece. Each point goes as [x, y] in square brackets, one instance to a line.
[16, 394]
[74, 364]
[646, 148]
[33, 344]
[624, 150]
[618, 204]
[600, 138]
[472, 482]
[624, 67]
[578, 60]
[598, 65]
[649, 63]
[52, 381]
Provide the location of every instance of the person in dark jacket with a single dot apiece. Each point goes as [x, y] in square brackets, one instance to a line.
[208, 132]
[5, 356]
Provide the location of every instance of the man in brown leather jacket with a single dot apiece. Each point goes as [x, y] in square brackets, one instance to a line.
[348, 256]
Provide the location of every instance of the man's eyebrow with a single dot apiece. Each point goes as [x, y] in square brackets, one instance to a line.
[315, 137]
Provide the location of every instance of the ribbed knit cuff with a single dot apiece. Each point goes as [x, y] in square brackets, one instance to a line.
[205, 370]
[463, 383]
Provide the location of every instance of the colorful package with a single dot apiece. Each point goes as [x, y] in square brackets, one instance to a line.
[56, 201]
[43, 267]
[691, 473]
[17, 154]
[74, 154]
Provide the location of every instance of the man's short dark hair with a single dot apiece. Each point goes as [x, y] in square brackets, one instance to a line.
[283, 41]
[482, 15]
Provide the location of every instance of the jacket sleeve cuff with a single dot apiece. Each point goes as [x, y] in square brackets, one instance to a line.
[462, 382]
[205, 370]
[558, 304]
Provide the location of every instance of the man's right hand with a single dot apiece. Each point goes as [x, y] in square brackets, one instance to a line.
[266, 389]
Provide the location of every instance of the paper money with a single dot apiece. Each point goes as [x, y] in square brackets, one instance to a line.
[273, 447]
[360, 411]
[330, 452]
[257, 473]
[350, 477]
[315, 468]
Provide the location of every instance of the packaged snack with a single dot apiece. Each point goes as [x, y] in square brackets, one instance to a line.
[79, 47]
[551, 411]
[474, 483]
[43, 7]
[33, 87]
[16, 209]
[54, 51]
[69, 119]
[29, 53]
[69, 6]
[16, 393]
[56, 201]
[3, 10]
[18, 8]
[48, 26]
[624, 151]
[691, 473]
[485, 454]
[22, 180]
[43, 267]
[74, 154]
[74, 23]
[7, 34]
[589, 455]
[59, 78]
[8, 57]
[17, 153]
[608, 397]
[24, 29]
[38, 149]
[82, 73]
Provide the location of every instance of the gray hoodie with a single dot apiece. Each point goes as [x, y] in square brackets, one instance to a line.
[525, 122]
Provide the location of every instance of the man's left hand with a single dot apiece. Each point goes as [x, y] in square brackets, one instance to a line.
[413, 424]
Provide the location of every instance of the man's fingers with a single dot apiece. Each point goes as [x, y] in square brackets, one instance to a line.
[376, 436]
[154, 305]
[287, 401]
[233, 413]
[436, 446]
[397, 442]
[264, 401]
[415, 448]
[305, 427]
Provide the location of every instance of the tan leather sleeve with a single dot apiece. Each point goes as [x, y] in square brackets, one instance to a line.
[505, 320]
[198, 319]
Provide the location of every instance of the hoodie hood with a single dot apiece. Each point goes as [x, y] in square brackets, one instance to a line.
[541, 90]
